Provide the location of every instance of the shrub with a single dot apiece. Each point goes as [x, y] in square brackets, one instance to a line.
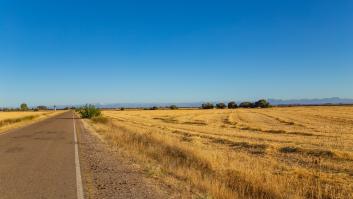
[221, 106]
[89, 111]
[24, 107]
[122, 108]
[207, 106]
[154, 108]
[262, 104]
[232, 105]
[173, 107]
[246, 105]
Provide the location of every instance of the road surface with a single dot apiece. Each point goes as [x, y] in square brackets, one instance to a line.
[38, 161]
[41, 161]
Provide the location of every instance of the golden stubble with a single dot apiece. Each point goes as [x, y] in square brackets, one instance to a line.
[12, 120]
[294, 152]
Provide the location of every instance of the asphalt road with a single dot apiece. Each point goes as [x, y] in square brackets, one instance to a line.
[38, 161]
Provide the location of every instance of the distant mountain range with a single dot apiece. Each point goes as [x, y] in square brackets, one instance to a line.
[332, 100]
[146, 105]
[134, 105]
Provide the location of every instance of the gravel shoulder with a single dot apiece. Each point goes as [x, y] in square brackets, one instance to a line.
[106, 175]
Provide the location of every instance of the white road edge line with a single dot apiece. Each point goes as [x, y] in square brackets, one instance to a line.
[77, 164]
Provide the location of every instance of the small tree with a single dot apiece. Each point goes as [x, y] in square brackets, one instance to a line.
[154, 108]
[232, 105]
[207, 106]
[89, 111]
[173, 107]
[23, 107]
[221, 106]
[262, 103]
[246, 105]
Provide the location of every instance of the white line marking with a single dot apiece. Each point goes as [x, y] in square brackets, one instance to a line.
[77, 164]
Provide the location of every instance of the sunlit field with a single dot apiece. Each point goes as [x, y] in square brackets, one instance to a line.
[294, 152]
[9, 120]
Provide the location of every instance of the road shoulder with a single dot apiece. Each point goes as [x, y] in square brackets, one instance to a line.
[106, 175]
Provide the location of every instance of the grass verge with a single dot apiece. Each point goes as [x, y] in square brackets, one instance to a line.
[17, 120]
[183, 163]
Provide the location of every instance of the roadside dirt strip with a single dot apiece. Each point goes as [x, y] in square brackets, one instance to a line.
[106, 175]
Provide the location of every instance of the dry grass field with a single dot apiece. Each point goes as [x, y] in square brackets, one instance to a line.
[294, 152]
[9, 120]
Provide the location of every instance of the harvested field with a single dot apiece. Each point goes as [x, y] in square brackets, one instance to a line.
[294, 152]
[9, 120]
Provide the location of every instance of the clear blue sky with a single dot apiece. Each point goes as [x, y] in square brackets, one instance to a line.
[70, 52]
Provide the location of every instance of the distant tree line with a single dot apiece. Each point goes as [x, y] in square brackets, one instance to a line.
[232, 105]
[171, 107]
[9, 109]
[24, 107]
[151, 108]
[90, 108]
[70, 108]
